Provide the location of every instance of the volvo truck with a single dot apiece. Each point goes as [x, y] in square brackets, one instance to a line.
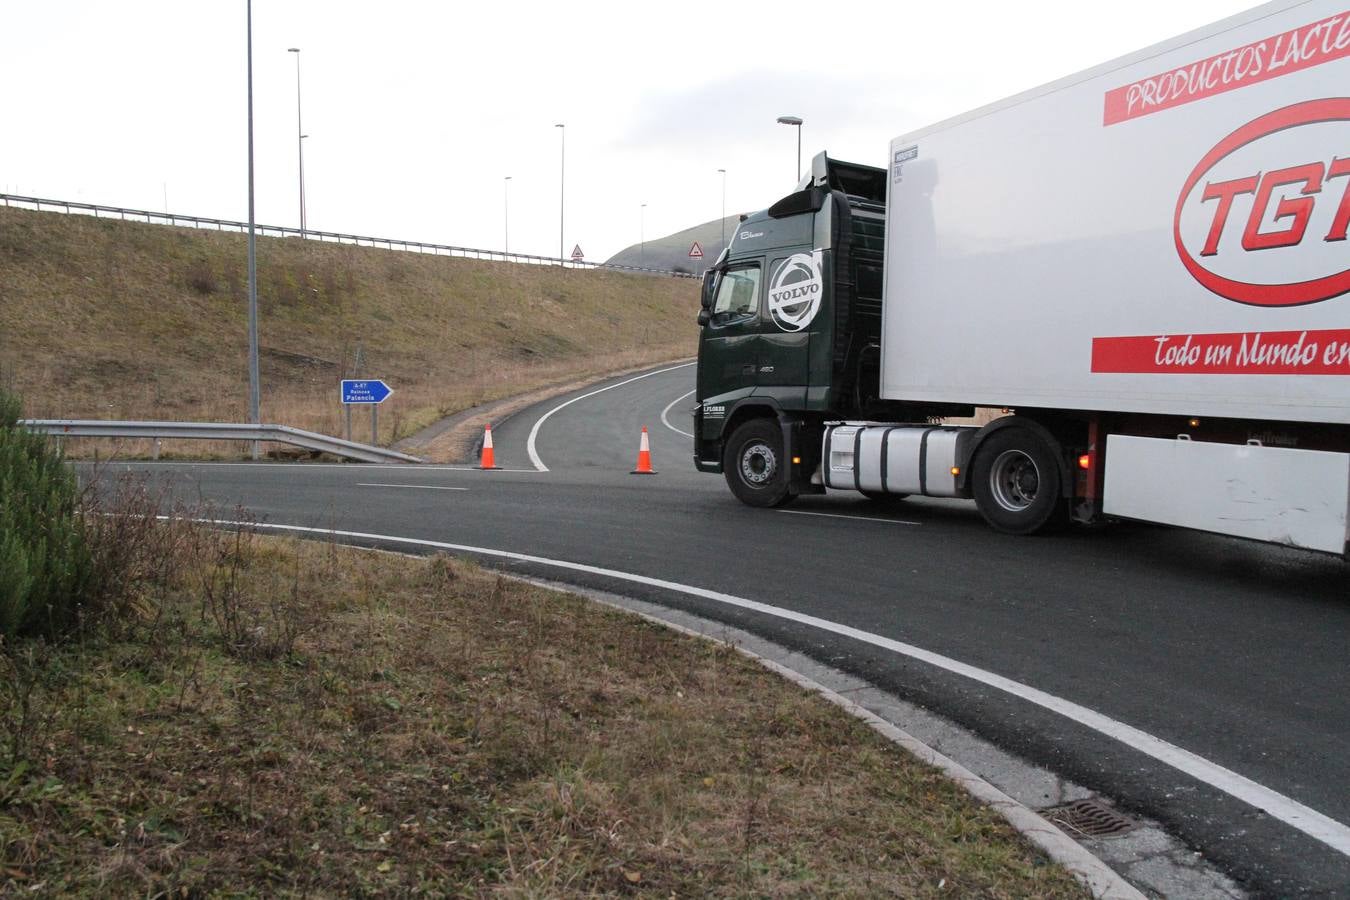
[1138, 276]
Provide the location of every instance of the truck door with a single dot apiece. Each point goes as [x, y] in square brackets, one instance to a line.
[728, 350]
[795, 295]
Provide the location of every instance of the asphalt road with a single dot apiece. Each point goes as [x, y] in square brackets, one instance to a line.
[1233, 653]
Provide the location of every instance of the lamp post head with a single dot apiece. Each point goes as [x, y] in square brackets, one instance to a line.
[789, 120]
[560, 125]
[292, 49]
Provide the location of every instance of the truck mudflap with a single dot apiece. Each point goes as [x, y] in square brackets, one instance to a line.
[707, 453]
[896, 459]
[799, 452]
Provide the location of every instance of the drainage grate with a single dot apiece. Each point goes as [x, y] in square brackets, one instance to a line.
[1089, 818]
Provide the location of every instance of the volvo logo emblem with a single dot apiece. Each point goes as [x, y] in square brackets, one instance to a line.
[795, 292]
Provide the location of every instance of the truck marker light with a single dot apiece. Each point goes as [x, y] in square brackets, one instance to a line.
[796, 460]
[956, 470]
[1085, 461]
[1195, 423]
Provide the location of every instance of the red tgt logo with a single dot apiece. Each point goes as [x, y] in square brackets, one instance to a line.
[1227, 218]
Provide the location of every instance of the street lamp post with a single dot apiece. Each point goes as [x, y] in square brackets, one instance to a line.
[300, 139]
[724, 206]
[793, 120]
[506, 213]
[562, 187]
[304, 201]
[642, 235]
[254, 385]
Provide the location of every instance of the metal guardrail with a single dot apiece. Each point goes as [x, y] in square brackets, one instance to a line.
[217, 431]
[97, 211]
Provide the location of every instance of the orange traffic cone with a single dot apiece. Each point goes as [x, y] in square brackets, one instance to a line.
[644, 463]
[487, 461]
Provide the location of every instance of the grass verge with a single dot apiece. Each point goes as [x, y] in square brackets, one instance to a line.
[299, 718]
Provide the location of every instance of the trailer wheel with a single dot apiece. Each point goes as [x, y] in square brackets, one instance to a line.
[754, 466]
[1017, 482]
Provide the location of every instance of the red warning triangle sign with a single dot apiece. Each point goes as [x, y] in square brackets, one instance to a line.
[576, 252]
[696, 251]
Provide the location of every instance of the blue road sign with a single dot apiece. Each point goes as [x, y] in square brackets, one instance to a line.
[364, 390]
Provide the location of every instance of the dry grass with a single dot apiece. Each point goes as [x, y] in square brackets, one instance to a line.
[431, 728]
[107, 319]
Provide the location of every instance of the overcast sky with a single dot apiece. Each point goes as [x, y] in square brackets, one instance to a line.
[416, 111]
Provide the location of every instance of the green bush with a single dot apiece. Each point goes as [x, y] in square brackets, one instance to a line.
[45, 563]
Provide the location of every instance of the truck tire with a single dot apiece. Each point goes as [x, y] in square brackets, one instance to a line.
[754, 466]
[1017, 482]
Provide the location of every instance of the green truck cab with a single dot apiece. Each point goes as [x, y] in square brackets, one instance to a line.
[791, 331]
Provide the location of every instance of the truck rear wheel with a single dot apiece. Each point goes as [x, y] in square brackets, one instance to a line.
[754, 465]
[1017, 482]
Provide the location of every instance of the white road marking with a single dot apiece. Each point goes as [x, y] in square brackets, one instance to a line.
[802, 512]
[419, 487]
[534, 432]
[1304, 818]
[666, 421]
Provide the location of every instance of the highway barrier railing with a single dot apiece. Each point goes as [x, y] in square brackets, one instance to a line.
[164, 218]
[218, 431]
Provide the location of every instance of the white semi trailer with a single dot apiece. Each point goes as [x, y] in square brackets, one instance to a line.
[1145, 264]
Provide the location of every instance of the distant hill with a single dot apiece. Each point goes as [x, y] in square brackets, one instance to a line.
[672, 251]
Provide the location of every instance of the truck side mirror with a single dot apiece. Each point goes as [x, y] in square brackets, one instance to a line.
[709, 279]
[704, 317]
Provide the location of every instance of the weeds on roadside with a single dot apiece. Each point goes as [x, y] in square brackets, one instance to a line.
[147, 565]
[74, 561]
[250, 627]
[138, 541]
[22, 716]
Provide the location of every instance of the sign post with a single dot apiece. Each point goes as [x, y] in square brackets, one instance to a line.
[371, 391]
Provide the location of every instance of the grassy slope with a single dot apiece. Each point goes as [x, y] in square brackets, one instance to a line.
[108, 319]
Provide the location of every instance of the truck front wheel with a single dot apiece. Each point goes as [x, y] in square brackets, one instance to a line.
[1017, 482]
[754, 465]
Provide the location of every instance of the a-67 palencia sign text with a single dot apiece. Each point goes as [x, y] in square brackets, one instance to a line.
[365, 390]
